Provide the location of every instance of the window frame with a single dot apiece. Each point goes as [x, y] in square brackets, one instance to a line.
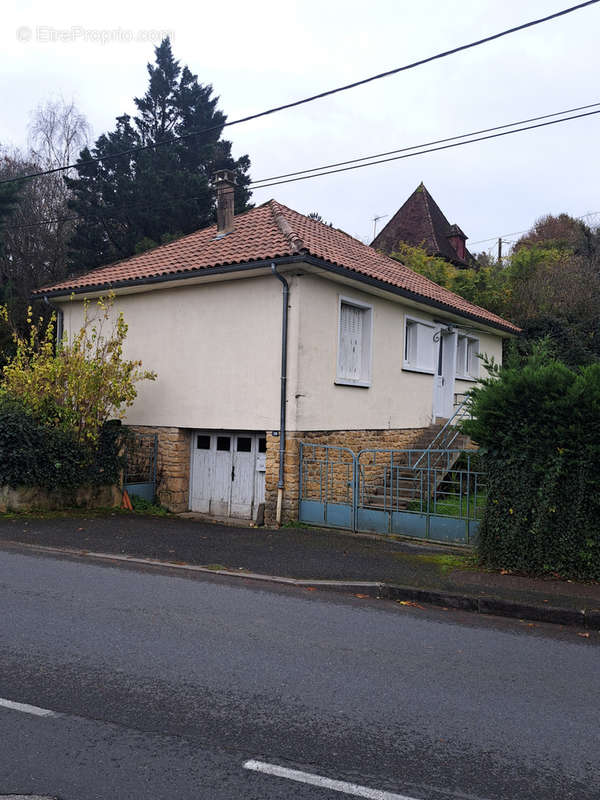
[407, 365]
[463, 374]
[367, 344]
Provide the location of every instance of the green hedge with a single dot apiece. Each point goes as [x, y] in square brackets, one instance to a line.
[538, 427]
[32, 454]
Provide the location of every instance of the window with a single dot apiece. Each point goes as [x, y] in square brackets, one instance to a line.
[223, 444]
[244, 444]
[467, 361]
[203, 442]
[419, 347]
[354, 343]
[262, 445]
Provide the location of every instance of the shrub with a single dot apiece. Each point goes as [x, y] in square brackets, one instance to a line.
[538, 427]
[34, 454]
[83, 382]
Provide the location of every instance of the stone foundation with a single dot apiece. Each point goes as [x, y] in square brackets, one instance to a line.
[34, 498]
[173, 465]
[399, 439]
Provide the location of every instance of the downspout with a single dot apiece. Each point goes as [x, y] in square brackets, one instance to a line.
[282, 402]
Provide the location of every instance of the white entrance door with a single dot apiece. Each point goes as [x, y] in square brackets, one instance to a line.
[227, 477]
[443, 385]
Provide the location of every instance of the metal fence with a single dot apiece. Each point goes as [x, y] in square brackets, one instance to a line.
[141, 454]
[427, 494]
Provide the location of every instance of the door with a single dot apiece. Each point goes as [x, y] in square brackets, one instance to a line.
[443, 384]
[242, 477]
[227, 476]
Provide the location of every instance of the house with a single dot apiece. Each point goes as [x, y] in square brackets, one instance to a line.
[421, 223]
[271, 328]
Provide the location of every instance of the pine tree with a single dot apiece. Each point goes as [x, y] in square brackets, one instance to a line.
[133, 202]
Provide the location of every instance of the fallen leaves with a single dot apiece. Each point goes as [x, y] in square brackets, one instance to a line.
[362, 596]
[584, 635]
[410, 603]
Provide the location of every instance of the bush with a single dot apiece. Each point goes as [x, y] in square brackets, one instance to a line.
[538, 427]
[34, 454]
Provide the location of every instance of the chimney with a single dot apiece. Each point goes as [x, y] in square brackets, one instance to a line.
[457, 239]
[224, 182]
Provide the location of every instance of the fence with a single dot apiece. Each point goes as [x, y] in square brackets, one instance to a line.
[426, 494]
[141, 460]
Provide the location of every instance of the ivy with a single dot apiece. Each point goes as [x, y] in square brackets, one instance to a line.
[538, 427]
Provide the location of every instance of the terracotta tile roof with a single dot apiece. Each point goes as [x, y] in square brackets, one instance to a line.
[421, 222]
[273, 231]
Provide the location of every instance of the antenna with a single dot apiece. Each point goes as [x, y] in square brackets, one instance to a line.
[375, 220]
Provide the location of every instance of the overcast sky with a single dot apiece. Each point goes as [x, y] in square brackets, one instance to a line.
[267, 52]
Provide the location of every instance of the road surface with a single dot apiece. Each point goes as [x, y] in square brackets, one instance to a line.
[124, 683]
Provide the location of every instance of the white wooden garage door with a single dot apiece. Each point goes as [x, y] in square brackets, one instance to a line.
[228, 473]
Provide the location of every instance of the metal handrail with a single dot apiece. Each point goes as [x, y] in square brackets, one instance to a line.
[449, 430]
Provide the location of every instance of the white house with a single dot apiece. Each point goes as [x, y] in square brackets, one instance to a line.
[271, 328]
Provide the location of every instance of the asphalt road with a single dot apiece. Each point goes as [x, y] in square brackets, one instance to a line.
[164, 686]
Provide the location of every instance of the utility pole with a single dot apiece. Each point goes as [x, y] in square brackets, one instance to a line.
[500, 250]
[375, 221]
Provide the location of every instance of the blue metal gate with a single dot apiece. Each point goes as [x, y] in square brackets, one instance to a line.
[437, 495]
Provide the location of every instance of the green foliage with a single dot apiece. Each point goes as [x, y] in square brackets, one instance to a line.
[143, 506]
[486, 286]
[539, 430]
[127, 204]
[81, 384]
[34, 454]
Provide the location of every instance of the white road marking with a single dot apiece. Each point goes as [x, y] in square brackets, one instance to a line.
[27, 709]
[325, 783]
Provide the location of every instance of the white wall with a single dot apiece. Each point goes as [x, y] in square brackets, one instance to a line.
[216, 348]
[397, 398]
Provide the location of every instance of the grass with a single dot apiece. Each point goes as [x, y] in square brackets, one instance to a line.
[453, 505]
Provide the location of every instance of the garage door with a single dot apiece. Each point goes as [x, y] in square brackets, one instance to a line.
[228, 473]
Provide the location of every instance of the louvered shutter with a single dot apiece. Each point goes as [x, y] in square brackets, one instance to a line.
[351, 342]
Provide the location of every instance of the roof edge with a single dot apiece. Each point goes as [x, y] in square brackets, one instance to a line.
[328, 266]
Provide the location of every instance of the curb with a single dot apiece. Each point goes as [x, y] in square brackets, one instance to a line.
[479, 604]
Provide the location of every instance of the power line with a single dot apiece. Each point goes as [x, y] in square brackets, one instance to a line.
[427, 144]
[518, 233]
[319, 96]
[335, 168]
[422, 152]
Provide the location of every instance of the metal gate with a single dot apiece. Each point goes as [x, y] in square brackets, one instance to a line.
[141, 453]
[438, 495]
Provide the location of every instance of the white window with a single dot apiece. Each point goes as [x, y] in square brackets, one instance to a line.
[467, 357]
[354, 343]
[419, 347]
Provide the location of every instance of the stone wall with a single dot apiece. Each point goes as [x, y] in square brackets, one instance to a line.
[399, 439]
[173, 465]
[34, 498]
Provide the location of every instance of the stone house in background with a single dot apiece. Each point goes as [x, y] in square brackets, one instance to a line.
[421, 223]
[269, 329]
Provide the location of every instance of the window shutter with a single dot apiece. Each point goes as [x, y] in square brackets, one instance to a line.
[461, 356]
[351, 342]
[425, 348]
[473, 360]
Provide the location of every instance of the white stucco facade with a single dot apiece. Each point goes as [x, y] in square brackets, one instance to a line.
[216, 348]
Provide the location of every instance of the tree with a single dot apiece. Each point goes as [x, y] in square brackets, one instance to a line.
[485, 286]
[562, 232]
[157, 192]
[36, 241]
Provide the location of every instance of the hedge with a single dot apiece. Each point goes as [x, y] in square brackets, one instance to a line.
[33, 454]
[538, 427]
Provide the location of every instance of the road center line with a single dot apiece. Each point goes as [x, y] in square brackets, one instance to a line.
[325, 783]
[27, 709]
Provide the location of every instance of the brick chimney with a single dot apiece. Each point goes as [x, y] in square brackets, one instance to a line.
[457, 239]
[224, 182]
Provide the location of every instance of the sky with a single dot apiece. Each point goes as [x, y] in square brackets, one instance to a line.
[268, 52]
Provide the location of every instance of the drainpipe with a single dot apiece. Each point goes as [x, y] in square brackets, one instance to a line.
[284, 327]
